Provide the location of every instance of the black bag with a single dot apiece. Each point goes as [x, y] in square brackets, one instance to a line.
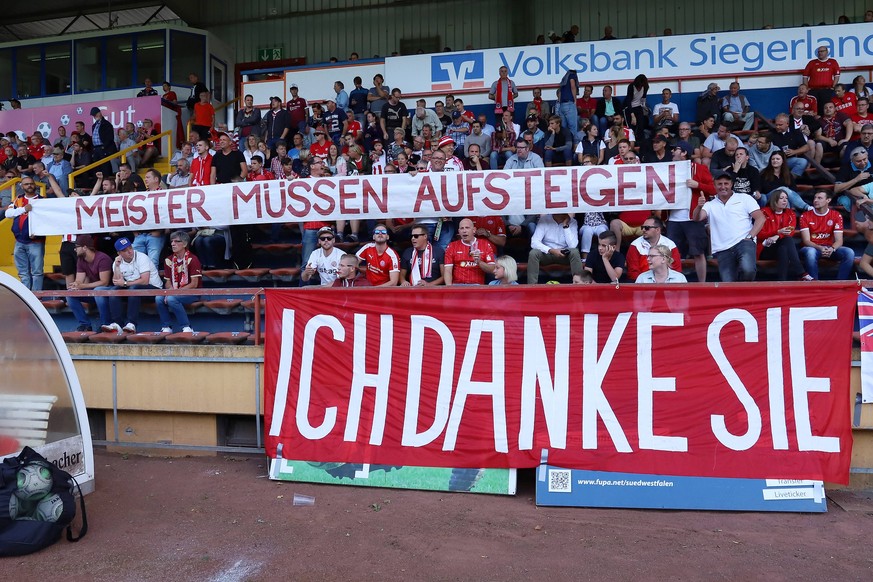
[23, 533]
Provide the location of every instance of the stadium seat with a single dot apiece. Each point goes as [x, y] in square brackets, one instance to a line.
[227, 337]
[147, 337]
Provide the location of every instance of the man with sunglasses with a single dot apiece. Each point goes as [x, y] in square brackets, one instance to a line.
[324, 260]
[383, 263]
[422, 263]
[637, 253]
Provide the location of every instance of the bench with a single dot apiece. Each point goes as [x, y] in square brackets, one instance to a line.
[24, 417]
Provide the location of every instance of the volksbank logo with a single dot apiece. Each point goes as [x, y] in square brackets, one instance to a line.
[450, 72]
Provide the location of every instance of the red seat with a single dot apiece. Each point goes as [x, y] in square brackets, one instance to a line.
[222, 306]
[195, 337]
[249, 305]
[253, 275]
[218, 275]
[147, 337]
[109, 337]
[227, 337]
[76, 337]
[288, 274]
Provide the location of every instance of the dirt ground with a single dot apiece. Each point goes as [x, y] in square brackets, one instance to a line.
[221, 519]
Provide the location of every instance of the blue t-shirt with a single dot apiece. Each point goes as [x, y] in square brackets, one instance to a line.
[567, 94]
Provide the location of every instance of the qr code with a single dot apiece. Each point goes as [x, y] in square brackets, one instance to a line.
[559, 481]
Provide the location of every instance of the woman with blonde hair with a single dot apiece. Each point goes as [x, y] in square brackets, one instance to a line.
[505, 272]
[660, 259]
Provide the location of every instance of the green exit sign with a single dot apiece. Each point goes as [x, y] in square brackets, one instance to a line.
[270, 54]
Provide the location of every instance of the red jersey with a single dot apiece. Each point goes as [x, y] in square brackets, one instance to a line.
[494, 224]
[379, 267]
[810, 104]
[37, 151]
[848, 104]
[822, 226]
[865, 120]
[774, 223]
[465, 269]
[297, 110]
[316, 149]
[264, 175]
[354, 128]
[201, 170]
[821, 73]
[634, 217]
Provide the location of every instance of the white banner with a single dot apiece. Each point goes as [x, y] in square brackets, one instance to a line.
[773, 51]
[494, 192]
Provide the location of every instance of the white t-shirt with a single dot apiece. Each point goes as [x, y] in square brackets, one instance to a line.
[674, 109]
[326, 266]
[140, 264]
[730, 222]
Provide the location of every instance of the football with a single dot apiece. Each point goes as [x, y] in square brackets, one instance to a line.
[34, 482]
[19, 508]
[49, 509]
[45, 129]
[65, 119]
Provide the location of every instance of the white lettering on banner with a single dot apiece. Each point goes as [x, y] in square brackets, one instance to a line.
[554, 395]
[420, 323]
[594, 402]
[283, 378]
[485, 352]
[783, 50]
[306, 358]
[802, 384]
[776, 379]
[537, 191]
[648, 384]
[753, 413]
[361, 379]
[468, 387]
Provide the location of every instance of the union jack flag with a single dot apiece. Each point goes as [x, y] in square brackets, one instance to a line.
[865, 318]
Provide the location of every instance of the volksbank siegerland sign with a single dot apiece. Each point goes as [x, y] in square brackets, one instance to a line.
[719, 54]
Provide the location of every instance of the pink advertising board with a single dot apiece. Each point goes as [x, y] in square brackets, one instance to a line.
[46, 120]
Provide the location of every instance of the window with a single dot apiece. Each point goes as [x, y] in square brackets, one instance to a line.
[150, 58]
[89, 69]
[119, 62]
[58, 63]
[29, 71]
[187, 55]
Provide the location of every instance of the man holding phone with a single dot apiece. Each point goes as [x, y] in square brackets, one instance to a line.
[555, 241]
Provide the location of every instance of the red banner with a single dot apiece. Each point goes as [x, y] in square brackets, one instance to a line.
[718, 381]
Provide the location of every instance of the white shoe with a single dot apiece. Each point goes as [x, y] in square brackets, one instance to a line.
[166, 330]
[111, 327]
[187, 329]
[129, 328]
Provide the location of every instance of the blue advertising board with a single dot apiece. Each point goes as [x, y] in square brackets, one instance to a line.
[557, 486]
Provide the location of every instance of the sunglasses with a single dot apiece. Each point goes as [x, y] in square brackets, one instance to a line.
[380, 231]
[325, 238]
[417, 235]
[648, 227]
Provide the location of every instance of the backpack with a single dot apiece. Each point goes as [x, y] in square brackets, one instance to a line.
[29, 525]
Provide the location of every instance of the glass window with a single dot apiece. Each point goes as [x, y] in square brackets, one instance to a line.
[5, 74]
[88, 67]
[29, 71]
[187, 55]
[150, 58]
[57, 69]
[119, 62]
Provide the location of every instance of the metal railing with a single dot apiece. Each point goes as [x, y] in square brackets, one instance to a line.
[122, 154]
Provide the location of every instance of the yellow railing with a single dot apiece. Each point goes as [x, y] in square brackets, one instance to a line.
[11, 184]
[217, 109]
[123, 155]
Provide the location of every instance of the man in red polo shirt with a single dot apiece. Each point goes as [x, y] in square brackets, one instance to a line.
[820, 75]
[468, 259]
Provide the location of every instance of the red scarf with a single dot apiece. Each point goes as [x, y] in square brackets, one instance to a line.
[538, 103]
[421, 270]
[179, 270]
[498, 95]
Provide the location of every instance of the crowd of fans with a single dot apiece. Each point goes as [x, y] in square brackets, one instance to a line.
[757, 193]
